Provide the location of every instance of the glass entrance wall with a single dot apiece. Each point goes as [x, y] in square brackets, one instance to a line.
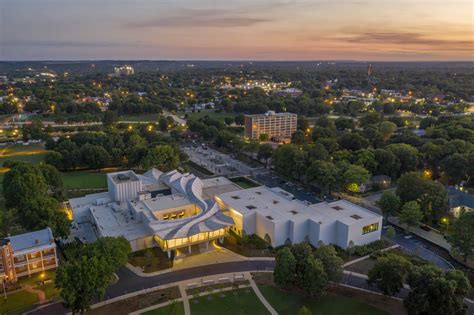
[190, 240]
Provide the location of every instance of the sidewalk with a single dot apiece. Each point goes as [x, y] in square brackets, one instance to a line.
[432, 236]
[216, 256]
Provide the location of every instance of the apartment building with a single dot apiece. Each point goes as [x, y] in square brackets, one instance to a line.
[278, 126]
[27, 254]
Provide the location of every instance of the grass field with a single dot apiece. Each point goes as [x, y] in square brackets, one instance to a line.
[287, 303]
[84, 180]
[33, 153]
[172, 309]
[17, 301]
[219, 116]
[236, 302]
[244, 182]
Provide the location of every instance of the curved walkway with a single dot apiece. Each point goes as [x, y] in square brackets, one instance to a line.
[39, 293]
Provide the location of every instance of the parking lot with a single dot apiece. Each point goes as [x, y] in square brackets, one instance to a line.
[217, 162]
[271, 180]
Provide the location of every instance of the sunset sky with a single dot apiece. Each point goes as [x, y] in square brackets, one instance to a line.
[237, 29]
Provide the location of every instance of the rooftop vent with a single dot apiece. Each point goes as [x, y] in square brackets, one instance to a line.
[235, 197]
[355, 216]
[250, 207]
[258, 192]
[294, 211]
[269, 217]
[123, 177]
[275, 202]
[337, 208]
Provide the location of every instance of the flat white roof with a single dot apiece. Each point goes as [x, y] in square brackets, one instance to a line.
[278, 205]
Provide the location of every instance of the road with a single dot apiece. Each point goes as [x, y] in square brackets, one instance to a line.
[129, 282]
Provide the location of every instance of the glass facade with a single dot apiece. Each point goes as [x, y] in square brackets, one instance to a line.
[370, 228]
[193, 239]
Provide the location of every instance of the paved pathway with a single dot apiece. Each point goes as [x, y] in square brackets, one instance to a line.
[184, 298]
[40, 293]
[262, 298]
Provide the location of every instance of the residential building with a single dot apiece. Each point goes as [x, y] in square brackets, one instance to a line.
[276, 216]
[278, 126]
[27, 254]
[460, 201]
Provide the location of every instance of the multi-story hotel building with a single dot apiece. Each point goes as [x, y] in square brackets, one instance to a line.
[27, 254]
[278, 126]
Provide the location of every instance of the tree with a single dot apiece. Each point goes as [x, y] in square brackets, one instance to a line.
[389, 203]
[298, 137]
[55, 159]
[406, 154]
[94, 156]
[431, 195]
[391, 233]
[304, 311]
[435, 292]
[285, 266]
[354, 177]
[23, 182]
[53, 179]
[86, 275]
[462, 235]
[264, 137]
[81, 281]
[456, 167]
[25, 189]
[387, 128]
[411, 214]
[331, 261]
[264, 152]
[313, 280]
[323, 174]
[164, 157]
[389, 273]
[110, 117]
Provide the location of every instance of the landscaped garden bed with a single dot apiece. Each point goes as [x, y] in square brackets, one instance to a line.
[138, 302]
[150, 260]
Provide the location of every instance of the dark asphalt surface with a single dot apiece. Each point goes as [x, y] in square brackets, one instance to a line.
[271, 180]
[129, 282]
[417, 246]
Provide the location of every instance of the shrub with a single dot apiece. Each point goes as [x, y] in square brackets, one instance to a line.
[364, 250]
[254, 241]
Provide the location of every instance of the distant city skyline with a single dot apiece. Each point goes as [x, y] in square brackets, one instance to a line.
[397, 30]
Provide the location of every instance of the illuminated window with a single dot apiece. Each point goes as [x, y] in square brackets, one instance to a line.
[370, 228]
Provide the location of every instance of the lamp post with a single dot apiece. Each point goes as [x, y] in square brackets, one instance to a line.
[445, 221]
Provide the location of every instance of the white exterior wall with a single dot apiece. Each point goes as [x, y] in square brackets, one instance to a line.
[299, 230]
[249, 223]
[327, 233]
[355, 233]
[124, 191]
[314, 228]
[342, 236]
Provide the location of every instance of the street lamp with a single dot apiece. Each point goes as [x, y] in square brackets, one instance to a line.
[445, 221]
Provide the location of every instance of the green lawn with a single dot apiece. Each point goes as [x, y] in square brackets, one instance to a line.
[17, 301]
[236, 302]
[33, 153]
[84, 179]
[172, 309]
[290, 303]
[244, 182]
[219, 116]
